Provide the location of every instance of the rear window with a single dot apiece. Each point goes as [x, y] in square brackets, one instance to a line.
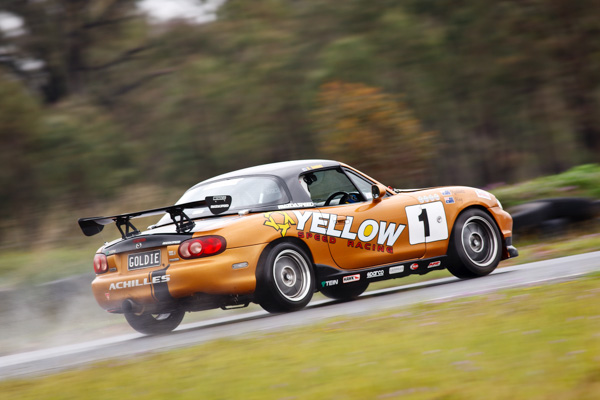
[246, 193]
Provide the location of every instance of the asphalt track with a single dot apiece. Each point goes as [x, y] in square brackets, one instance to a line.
[56, 359]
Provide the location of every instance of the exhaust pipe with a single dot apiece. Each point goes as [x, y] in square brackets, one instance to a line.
[131, 307]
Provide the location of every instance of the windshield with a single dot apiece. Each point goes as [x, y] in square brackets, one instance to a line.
[246, 193]
[332, 187]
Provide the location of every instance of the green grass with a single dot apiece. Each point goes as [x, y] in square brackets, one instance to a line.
[580, 181]
[571, 244]
[35, 266]
[529, 343]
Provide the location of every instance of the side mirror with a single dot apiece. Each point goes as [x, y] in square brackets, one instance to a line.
[378, 192]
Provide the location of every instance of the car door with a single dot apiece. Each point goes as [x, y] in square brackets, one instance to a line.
[361, 233]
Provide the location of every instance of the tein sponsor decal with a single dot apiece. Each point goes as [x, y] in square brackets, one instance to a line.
[414, 266]
[332, 282]
[396, 270]
[375, 274]
[434, 264]
[136, 282]
[351, 278]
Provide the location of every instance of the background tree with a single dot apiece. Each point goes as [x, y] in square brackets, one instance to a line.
[375, 132]
[76, 43]
[104, 99]
[20, 125]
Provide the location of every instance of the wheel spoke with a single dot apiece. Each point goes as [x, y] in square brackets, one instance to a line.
[291, 272]
[479, 242]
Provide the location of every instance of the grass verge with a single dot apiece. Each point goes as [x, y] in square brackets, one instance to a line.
[33, 267]
[534, 343]
[580, 181]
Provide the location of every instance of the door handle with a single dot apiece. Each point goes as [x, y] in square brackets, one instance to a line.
[340, 219]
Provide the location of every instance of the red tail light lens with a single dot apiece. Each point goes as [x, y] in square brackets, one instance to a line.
[100, 263]
[202, 247]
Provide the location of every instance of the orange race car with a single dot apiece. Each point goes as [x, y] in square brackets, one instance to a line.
[275, 234]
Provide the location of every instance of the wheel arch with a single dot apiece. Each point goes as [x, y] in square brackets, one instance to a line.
[485, 210]
[293, 240]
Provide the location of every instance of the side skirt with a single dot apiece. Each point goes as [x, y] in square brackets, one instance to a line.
[329, 276]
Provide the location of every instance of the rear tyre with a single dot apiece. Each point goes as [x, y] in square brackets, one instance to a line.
[155, 324]
[285, 279]
[475, 246]
[349, 291]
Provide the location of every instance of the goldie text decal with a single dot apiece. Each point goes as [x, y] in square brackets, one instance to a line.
[272, 219]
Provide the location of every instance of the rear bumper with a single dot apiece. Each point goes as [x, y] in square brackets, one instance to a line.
[152, 287]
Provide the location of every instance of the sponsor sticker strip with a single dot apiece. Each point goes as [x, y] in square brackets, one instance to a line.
[380, 273]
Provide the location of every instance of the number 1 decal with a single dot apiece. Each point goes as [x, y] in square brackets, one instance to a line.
[423, 218]
[427, 223]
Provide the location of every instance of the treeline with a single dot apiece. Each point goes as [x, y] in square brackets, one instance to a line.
[416, 92]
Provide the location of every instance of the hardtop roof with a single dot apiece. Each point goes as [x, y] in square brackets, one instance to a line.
[285, 170]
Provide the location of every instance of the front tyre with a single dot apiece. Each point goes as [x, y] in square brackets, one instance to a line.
[476, 245]
[285, 280]
[155, 324]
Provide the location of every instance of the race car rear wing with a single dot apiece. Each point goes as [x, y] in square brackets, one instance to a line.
[183, 223]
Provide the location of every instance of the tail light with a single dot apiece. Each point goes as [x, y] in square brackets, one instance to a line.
[100, 263]
[202, 247]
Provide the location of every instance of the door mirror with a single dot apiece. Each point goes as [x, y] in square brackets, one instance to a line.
[378, 192]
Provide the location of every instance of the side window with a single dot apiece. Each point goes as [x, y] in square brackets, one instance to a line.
[331, 187]
[362, 184]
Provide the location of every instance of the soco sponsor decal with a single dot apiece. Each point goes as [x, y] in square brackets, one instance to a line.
[396, 270]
